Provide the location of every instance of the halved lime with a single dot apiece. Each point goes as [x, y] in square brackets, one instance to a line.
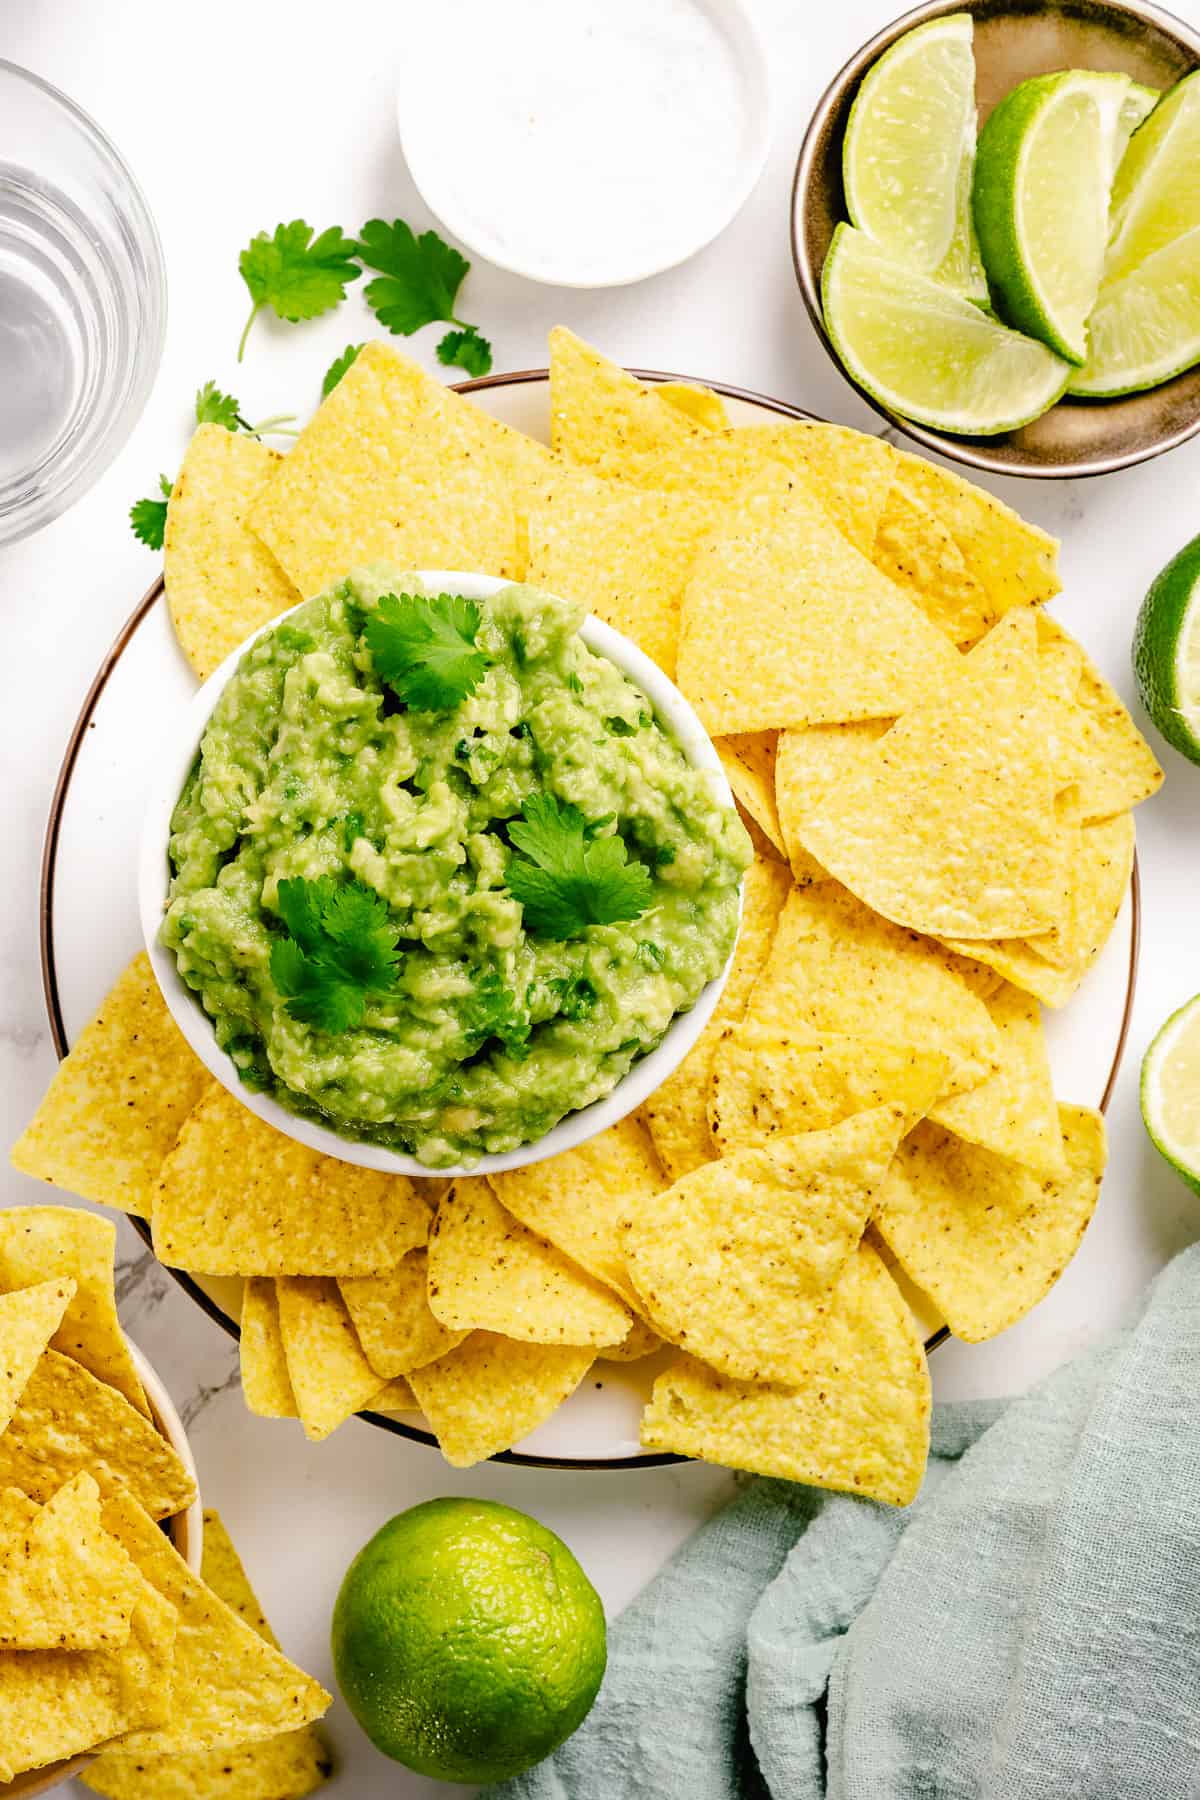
[1166, 651]
[925, 352]
[1156, 195]
[1146, 327]
[1043, 174]
[1171, 1092]
[908, 150]
[1138, 104]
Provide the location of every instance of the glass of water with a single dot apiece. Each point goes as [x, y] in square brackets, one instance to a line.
[83, 302]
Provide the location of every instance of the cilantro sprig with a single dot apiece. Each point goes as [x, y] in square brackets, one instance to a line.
[425, 649]
[567, 880]
[215, 408]
[297, 275]
[149, 517]
[341, 948]
[417, 284]
[338, 368]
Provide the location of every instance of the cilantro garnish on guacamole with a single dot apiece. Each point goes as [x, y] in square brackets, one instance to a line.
[439, 876]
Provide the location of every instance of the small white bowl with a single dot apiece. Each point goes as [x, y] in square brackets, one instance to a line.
[174, 763]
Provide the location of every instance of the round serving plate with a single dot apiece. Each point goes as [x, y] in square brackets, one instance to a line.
[91, 849]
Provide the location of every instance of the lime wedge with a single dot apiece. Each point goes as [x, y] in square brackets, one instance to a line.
[1138, 104]
[1166, 651]
[1156, 195]
[909, 144]
[961, 269]
[1171, 1092]
[1146, 327]
[926, 353]
[1043, 172]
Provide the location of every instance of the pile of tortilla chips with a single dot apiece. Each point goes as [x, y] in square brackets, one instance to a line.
[107, 1639]
[940, 786]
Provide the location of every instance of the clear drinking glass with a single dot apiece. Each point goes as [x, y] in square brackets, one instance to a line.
[83, 302]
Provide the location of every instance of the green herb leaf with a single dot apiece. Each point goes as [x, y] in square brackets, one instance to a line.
[467, 350]
[315, 994]
[338, 367]
[215, 408]
[296, 275]
[341, 948]
[419, 277]
[425, 649]
[149, 517]
[570, 881]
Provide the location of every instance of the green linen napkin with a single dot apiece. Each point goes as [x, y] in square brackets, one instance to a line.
[1029, 1629]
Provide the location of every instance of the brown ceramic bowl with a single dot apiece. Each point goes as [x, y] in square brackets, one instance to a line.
[1013, 40]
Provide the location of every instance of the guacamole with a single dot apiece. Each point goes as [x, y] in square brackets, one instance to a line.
[486, 1030]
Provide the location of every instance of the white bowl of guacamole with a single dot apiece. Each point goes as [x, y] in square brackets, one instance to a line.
[439, 874]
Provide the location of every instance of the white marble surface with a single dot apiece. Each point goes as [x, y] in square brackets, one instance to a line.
[236, 115]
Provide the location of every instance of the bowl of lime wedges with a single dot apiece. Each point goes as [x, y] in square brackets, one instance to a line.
[996, 231]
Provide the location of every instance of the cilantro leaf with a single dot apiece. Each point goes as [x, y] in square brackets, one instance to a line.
[296, 275]
[425, 649]
[149, 517]
[466, 350]
[338, 367]
[419, 277]
[566, 881]
[315, 995]
[215, 408]
[341, 948]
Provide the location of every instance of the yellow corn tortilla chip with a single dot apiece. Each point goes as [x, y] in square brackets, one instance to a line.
[1016, 562]
[837, 967]
[57, 1703]
[641, 1341]
[266, 1385]
[397, 1396]
[492, 1391]
[766, 1085]
[222, 581]
[1013, 1112]
[67, 1422]
[331, 1378]
[810, 763]
[785, 623]
[392, 1318]
[603, 418]
[947, 824]
[488, 1271]
[41, 1243]
[697, 403]
[1100, 873]
[65, 1584]
[917, 550]
[858, 1420]
[676, 1113]
[622, 552]
[117, 1102]
[749, 764]
[29, 1318]
[985, 1238]
[578, 1201]
[235, 1197]
[737, 1262]
[392, 467]
[1116, 768]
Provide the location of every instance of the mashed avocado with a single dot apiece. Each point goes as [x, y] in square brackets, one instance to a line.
[487, 1032]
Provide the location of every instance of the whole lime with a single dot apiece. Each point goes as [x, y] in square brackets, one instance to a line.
[467, 1641]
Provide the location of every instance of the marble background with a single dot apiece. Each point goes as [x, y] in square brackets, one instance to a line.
[235, 116]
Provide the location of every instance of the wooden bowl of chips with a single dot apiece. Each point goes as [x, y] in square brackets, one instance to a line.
[1013, 40]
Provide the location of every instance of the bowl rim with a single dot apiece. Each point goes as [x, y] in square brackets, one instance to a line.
[174, 759]
[973, 452]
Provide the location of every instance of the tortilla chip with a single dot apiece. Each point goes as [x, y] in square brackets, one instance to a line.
[65, 1584]
[67, 1422]
[916, 549]
[117, 1102]
[222, 581]
[491, 1392]
[331, 1378]
[948, 825]
[29, 1318]
[1116, 768]
[749, 764]
[785, 623]
[578, 1201]
[621, 552]
[1015, 562]
[266, 1385]
[766, 1085]
[1013, 1112]
[697, 403]
[231, 1686]
[395, 467]
[57, 1703]
[603, 418]
[985, 1238]
[737, 1262]
[397, 1396]
[488, 1271]
[43, 1243]
[392, 1318]
[677, 1112]
[235, 1197]
[858, 1421]
[641, 1342]
[810, 764]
